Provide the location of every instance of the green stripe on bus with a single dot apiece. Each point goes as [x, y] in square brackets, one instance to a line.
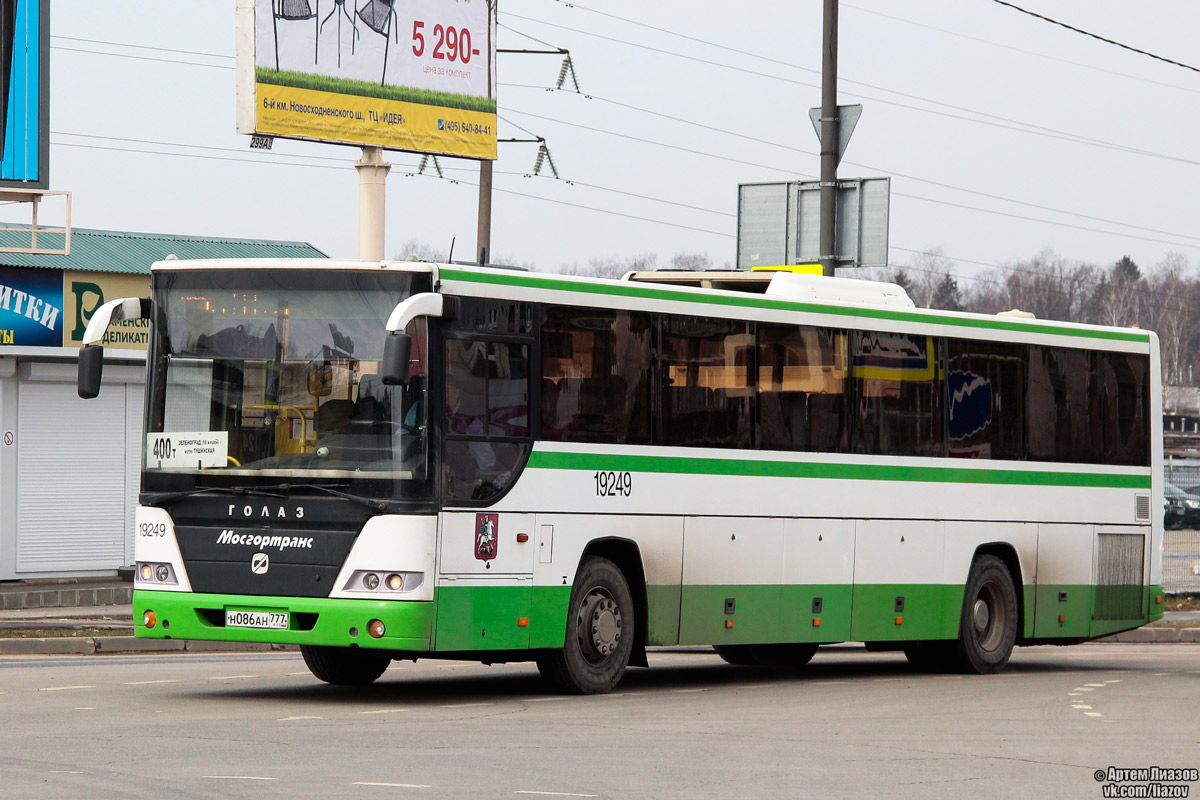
[806, 469]
[760, 301]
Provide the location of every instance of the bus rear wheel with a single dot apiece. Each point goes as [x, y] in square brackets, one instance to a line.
[600, 632]
[988, 628]
[766, 655]
[344, 666]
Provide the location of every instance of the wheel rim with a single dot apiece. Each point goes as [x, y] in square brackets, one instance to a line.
[989, 617]
[598, 626]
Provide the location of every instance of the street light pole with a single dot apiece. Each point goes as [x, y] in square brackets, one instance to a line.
[829, 139]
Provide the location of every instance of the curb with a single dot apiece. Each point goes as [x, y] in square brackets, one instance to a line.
[1154, 636]
[105, 645]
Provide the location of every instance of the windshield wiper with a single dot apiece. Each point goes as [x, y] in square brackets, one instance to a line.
[377, 505]
[160, 497]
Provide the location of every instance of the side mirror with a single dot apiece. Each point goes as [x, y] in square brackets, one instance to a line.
[397, 350]
[91, 364]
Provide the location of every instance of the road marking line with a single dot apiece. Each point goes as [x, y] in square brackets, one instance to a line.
[85, 708]
[238, 778]
[1074, 694]
[230, 678]
[1093, 714]
[1083, 689]
[687, 691]
[394, 785]
[554, 794]
[1096, 685]
[64, 688]
[466, 705]
[1116, 681]
[65, 772]
[146, 683]
[385, 711]
[1079, 705]
[290, 719]
[543, 699]
[887, 680]
[306, 672]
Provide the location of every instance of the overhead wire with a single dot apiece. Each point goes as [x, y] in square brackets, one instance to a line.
[1106, 40]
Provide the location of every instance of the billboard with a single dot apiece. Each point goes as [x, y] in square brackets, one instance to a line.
[416, 76]
[24, 57]
[51, 307]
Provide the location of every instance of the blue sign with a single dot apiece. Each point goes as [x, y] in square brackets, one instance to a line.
[31, 306]
[24, 143]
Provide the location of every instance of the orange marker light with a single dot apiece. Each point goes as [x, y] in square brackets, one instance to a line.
[149, 619]
[522, 537]
[817, 622]
[1061, 619]
[376, 628]
[1158, 600]
[522, 622]
[728, 623]
[899, 620]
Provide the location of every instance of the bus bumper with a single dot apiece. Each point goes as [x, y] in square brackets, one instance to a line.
[311, 620]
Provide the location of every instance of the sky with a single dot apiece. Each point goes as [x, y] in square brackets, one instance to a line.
[1003, 135]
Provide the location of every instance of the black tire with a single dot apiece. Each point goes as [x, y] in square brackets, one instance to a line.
[344, 666]
[766, 655]
[987, 630]
[600, 632]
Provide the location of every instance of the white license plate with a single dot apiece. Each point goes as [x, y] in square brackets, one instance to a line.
[236, 618]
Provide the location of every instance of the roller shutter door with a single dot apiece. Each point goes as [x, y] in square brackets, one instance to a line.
[75, 486]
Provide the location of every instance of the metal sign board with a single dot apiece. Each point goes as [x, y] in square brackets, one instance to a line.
[417, 76]
[779, 223]
[847, 119]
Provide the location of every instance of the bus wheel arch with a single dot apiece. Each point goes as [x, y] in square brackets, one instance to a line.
[600, 632]
[628, 558]
[988, 624]
[1008, 555]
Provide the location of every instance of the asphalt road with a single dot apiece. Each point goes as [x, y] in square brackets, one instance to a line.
[853, 724]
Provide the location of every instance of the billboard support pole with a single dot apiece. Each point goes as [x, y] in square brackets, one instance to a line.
[483, 238]
[372, 201]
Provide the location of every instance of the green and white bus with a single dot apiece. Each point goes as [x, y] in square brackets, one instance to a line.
[380, 461]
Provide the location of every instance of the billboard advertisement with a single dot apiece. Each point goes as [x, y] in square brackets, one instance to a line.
[416, 76]
[24, 54]
[31, 304]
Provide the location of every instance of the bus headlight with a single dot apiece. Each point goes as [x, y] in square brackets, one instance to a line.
[155, 574]
[374, 581]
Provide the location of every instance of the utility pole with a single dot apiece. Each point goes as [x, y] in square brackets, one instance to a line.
[829, 139]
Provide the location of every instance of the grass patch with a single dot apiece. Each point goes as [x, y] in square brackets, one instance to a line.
[1189, 602]
[60, 633]
[404, 94]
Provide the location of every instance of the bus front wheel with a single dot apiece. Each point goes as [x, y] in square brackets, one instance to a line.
[988, 628]
[344, 666]
[600, 631]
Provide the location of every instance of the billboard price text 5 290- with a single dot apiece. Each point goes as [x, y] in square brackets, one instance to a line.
[445, 42]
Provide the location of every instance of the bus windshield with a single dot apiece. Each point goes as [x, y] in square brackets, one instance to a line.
[266, 377]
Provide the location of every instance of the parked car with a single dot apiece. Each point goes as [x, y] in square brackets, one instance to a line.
[1182, 508]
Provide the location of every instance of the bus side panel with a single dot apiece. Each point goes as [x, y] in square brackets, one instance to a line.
[485, 581]
[732, 571]
[562, 540]
[898, 589]
[818, 580]
[963, 539]
[1064, 581]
